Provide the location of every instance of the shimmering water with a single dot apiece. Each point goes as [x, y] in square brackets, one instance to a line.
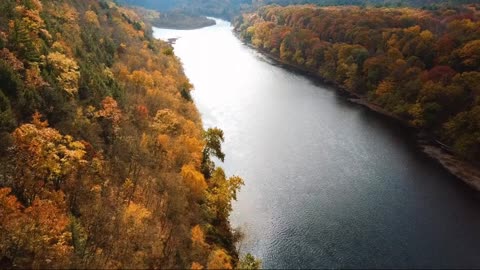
[328, 183]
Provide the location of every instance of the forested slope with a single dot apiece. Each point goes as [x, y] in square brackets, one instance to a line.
[422, 66]
[415, 3]
[103, 161]
[227, 9]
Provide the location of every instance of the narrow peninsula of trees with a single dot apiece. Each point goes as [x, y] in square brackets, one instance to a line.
[174, 19]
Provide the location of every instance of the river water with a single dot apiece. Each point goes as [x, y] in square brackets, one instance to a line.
[328, 183]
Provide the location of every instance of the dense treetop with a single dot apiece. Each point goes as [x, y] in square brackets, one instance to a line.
[103, 160]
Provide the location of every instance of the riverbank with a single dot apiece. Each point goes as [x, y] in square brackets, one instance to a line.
[463, 170]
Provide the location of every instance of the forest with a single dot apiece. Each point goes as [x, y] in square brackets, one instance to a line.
[394, 3]
[228, 9]
[422, 66]
[103, 159]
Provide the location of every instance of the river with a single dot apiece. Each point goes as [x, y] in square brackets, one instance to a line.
[328, 183]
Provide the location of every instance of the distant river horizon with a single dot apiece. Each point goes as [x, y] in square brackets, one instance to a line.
[328, 184]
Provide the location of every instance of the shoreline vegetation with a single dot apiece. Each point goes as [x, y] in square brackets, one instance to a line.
[175, 19]
[464, 170]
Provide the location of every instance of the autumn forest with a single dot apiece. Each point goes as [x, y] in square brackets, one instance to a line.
[105, 162]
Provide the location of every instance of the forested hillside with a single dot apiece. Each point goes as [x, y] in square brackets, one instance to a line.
[103, 161]
[227, 9]
[414, 3]
[422, 66]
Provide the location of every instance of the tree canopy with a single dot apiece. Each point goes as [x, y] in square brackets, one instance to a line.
[101, 146]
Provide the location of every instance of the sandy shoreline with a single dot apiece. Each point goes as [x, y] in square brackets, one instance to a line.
[465, 171]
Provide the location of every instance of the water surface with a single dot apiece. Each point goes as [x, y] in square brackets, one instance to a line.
[327, 183]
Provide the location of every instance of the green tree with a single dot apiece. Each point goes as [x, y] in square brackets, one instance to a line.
[213, 139]
[7, 119]
[249, 262]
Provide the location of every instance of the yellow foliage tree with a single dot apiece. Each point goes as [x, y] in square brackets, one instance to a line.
[136, 213]
[196, 266]
[198, 237]
[42, 154]
[91, 18]
[470, 53]
[66, 70]
[41, 229]
[219, 259]
[167, 122]
[111, 112]
[385, 87]
[194, 180]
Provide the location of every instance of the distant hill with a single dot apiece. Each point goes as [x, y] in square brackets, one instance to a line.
[227, 9]
[175, 19]
[218, 8]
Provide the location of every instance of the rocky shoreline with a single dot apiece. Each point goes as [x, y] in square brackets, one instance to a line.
[463, 170]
